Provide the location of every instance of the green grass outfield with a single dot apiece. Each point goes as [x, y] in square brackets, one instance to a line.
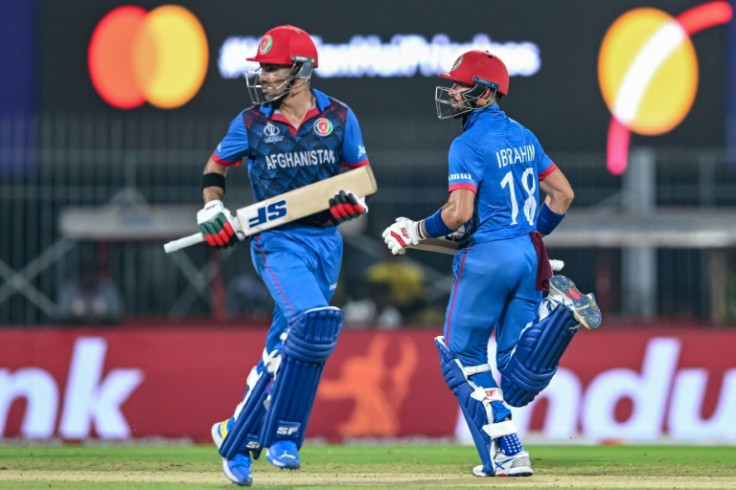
[416, 466]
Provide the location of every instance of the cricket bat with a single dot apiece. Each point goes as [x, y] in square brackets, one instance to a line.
[292, 205]
[445, 245]
[449, 245]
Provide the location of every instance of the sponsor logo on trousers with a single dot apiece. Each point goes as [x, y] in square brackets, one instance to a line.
[89, 398]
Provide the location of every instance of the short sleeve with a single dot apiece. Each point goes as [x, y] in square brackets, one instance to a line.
[353, 149]
[234, 145]
[465, 166]
[545, 165]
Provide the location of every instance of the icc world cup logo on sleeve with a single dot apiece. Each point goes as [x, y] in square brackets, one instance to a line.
[644, 51]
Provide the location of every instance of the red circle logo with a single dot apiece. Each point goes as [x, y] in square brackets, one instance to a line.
[159, 56]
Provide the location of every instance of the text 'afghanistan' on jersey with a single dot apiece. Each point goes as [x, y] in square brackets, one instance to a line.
[282, 158]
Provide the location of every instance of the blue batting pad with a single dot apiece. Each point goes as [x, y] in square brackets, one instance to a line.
[310, 342]
[537, 355]
[243, 436]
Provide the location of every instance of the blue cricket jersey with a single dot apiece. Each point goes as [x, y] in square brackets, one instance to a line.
[281, 157]
[502, 162]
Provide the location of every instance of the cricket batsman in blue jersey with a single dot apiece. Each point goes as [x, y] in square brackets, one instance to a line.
[292, 136]
[496, 170]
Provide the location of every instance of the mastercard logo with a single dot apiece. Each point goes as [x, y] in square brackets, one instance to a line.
[136, 56]
[648, 72]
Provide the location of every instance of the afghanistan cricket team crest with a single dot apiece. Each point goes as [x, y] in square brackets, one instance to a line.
[458, 62]
[323, 126]
[266, 44]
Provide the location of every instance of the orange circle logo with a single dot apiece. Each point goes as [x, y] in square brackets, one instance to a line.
[159, 56]
[648, 72]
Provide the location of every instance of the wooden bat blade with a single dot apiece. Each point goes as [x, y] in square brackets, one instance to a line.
[304, 201]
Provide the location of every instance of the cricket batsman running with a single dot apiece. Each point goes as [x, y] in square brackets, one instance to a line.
[292, 136]
[496, 169]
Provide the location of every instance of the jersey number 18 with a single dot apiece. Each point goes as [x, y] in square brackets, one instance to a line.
[528, 182]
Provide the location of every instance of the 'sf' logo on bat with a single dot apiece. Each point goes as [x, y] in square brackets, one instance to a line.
[271, 212]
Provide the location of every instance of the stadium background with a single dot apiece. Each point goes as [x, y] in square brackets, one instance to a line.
[65, 152]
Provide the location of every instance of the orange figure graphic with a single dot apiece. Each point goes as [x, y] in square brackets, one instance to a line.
[377, 389]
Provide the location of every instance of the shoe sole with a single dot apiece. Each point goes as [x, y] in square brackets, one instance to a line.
[585, 309]
[521, 472]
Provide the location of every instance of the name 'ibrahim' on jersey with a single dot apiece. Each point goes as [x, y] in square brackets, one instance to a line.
[281, 157]
[502, 162]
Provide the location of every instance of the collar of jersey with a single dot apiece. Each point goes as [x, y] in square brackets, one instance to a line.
[320, 98]
[478, 113]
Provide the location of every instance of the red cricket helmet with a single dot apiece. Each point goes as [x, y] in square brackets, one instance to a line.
[285, 45]
[480, 68]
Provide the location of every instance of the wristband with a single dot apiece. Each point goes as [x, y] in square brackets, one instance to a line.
[548, 220]
[435, 226]
[213, 179]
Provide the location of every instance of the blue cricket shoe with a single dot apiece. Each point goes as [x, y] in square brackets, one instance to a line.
[283, 454]
[237, 469]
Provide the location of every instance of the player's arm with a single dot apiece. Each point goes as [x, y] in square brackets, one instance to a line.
[345, 205]
[216, 222]
[556, 203]
[455, 213]
[213, 192]
[465, 163]
[458, 210]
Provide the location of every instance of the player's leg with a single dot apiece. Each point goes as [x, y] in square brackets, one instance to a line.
[304, 284]
[237, 437]
[530, 364]
[488, 419]
[310, 341]
[484, 278]
[294, 289]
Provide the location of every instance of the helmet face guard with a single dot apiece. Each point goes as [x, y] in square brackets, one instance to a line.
[299, 70]
[453, 103]
[477, 69]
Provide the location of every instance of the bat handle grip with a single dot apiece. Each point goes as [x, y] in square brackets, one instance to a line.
[184, 242]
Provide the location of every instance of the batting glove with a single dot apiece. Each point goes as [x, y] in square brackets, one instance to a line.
[346, 205]
[217, 225]
[401, 234]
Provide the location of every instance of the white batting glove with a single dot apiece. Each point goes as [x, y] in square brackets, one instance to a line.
[401, 234]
